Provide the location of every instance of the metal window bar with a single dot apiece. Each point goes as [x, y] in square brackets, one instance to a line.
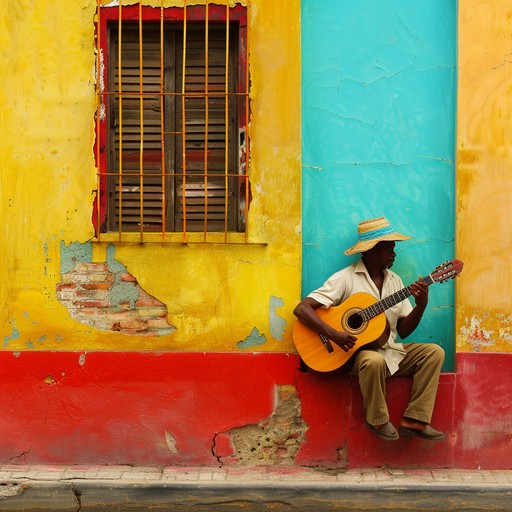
[226, 127]
[120, 92]
[99, 106]
[183, 125]
[243, 98]
[206, 115]
[162, 122]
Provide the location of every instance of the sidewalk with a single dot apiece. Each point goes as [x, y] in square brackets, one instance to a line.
[127, 488]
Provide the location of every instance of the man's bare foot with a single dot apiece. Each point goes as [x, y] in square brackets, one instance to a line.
[413, 424]
[410, 428]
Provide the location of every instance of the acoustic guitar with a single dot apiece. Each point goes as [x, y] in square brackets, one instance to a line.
[361, 315]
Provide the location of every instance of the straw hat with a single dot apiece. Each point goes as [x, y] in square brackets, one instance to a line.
[371, 232]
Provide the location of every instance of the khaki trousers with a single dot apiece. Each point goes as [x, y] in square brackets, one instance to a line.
[422, 362]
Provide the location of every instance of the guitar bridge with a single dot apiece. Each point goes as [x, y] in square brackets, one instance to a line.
[327, 343]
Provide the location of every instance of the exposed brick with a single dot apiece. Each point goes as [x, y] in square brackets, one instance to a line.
[99, 278]
[148, 302]
[66, 295]
[133, 324]
[128, 278]
[85, 292]
[68, 278]
[92, 294]
[91, 304]
[74, 277]
[152, 312]
[144, 294]
[276, 439]
[65, 286]
[96, 286]
[87, 268]
[68, 304]
[87, 314]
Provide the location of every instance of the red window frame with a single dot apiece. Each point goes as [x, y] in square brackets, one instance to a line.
[112, 14]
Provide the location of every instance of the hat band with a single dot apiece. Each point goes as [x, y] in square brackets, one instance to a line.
[376, 233]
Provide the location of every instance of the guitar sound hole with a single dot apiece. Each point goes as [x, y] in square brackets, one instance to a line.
[355, 321]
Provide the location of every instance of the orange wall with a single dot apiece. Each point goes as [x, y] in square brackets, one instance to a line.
[484, 181]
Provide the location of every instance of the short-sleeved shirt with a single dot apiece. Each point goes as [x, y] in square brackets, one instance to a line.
[355, 278]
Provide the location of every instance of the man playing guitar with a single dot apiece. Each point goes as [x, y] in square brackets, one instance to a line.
[421, 361]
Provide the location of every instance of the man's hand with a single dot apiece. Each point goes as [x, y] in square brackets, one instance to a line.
[306, 313]
[407, 325]
[344, 340]
[419, 291]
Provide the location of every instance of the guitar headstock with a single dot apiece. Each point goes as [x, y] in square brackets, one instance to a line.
[448, 270]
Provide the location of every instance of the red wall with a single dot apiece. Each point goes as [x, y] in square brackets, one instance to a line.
[109, 407]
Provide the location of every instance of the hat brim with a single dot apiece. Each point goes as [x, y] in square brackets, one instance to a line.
[369, 244]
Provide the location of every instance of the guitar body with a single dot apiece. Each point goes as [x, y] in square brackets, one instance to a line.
[361, 315]
[343, 318]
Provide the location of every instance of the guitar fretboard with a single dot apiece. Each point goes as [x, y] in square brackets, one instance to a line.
[389, 301]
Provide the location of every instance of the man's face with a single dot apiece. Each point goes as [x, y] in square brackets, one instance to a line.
[386, 252]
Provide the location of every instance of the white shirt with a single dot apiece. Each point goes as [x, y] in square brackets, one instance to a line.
[355, 278]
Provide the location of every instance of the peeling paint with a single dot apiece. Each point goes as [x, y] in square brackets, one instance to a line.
[277, 323]
[254, 339]
[170, 440]
[15, 334]
[120, 291]
[49, 380]
[74, 253]
[275, 439]
[106, 296]
[486, 332]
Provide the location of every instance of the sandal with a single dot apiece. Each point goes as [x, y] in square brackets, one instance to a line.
[429, 433]
[387, 431]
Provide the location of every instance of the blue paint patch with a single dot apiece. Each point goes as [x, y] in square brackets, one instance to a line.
[277, 323]
[115, 266]
[15, 334]
[255, 339]
[47, 258]
[120, 291]
[74, 253]
[41, 338]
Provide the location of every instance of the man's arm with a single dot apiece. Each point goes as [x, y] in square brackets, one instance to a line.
[407, 325]
[306, 313]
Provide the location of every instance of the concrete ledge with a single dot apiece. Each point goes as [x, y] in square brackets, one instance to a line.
[258, 489]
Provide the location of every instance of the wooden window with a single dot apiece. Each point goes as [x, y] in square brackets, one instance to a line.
[172, 115]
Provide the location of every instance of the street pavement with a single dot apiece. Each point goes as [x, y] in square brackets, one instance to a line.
[269, 488]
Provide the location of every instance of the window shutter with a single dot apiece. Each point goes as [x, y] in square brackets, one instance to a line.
[209, 200]
[153, 188]
[136, 137]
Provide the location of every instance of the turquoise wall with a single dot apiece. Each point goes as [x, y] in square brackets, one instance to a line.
[379, 96]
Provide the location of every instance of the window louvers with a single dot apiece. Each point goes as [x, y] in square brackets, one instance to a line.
[191, 182]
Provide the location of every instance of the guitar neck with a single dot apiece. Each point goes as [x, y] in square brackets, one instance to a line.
[388, 302]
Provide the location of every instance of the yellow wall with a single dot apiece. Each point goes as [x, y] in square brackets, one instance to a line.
[216, 294]
[484, 206]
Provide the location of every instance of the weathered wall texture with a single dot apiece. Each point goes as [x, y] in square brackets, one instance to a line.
[190, 409]
[378, 136]
[484, 153]
[229, 297]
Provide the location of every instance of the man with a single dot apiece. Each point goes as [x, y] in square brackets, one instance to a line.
[422, 362]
